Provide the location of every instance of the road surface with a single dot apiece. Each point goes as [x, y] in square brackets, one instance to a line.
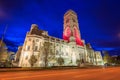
[71, 74]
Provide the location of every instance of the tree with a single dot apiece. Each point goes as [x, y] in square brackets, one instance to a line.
[3, 54]
[107, 58]
[51, 57]
[3, 57]
[46, 52]
[118, 60]
[32, 60]
[78, 62]
[6, 59]
[2, 46]
[60, 61]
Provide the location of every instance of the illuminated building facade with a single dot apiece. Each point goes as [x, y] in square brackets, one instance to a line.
[47, 49]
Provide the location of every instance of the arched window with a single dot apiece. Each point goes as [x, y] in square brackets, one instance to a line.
[73, 20]
[67, 20]
[37, 40]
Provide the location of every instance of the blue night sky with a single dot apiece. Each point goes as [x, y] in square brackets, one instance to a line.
[99, 20]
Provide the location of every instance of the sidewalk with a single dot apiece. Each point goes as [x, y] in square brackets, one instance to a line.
[19, 69]
[37, 69]
[41, 69]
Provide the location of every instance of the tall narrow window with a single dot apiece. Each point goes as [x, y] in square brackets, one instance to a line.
[67, 20]
[40, 43]
[28, 48]
[29, 39]
[66, 54]
[73, 20]
[57, 52]
[36, 48]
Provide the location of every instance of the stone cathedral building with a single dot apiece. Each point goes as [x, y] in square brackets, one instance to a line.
[42, 50]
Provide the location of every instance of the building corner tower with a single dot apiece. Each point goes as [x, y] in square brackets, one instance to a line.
[71, 28]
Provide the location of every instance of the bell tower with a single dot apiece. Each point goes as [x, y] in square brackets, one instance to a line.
[71, 28]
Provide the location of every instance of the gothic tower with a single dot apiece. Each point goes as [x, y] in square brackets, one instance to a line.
[71, 28]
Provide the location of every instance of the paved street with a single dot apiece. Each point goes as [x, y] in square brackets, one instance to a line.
[72, 74]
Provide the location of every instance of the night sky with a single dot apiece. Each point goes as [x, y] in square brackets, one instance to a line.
[99, 20]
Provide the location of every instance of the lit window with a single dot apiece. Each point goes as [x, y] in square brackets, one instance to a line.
[37, 40]
[67, 20]
[29, 39]
[28, 48]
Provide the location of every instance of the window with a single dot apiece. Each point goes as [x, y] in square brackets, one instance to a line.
[40, 43]
[29, 39]
[73, 20]
[66, 54]
[67, 20]
[28, 48]
[36, 48]
[37, 40]
[62, 53]
[57, 52]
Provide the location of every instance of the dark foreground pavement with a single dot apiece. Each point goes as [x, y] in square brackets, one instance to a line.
[72, 74]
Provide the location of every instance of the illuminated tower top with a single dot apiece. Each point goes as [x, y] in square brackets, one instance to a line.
[71, 27]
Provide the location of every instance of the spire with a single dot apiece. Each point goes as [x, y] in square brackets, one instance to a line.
[3, 36]
[70, 11]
